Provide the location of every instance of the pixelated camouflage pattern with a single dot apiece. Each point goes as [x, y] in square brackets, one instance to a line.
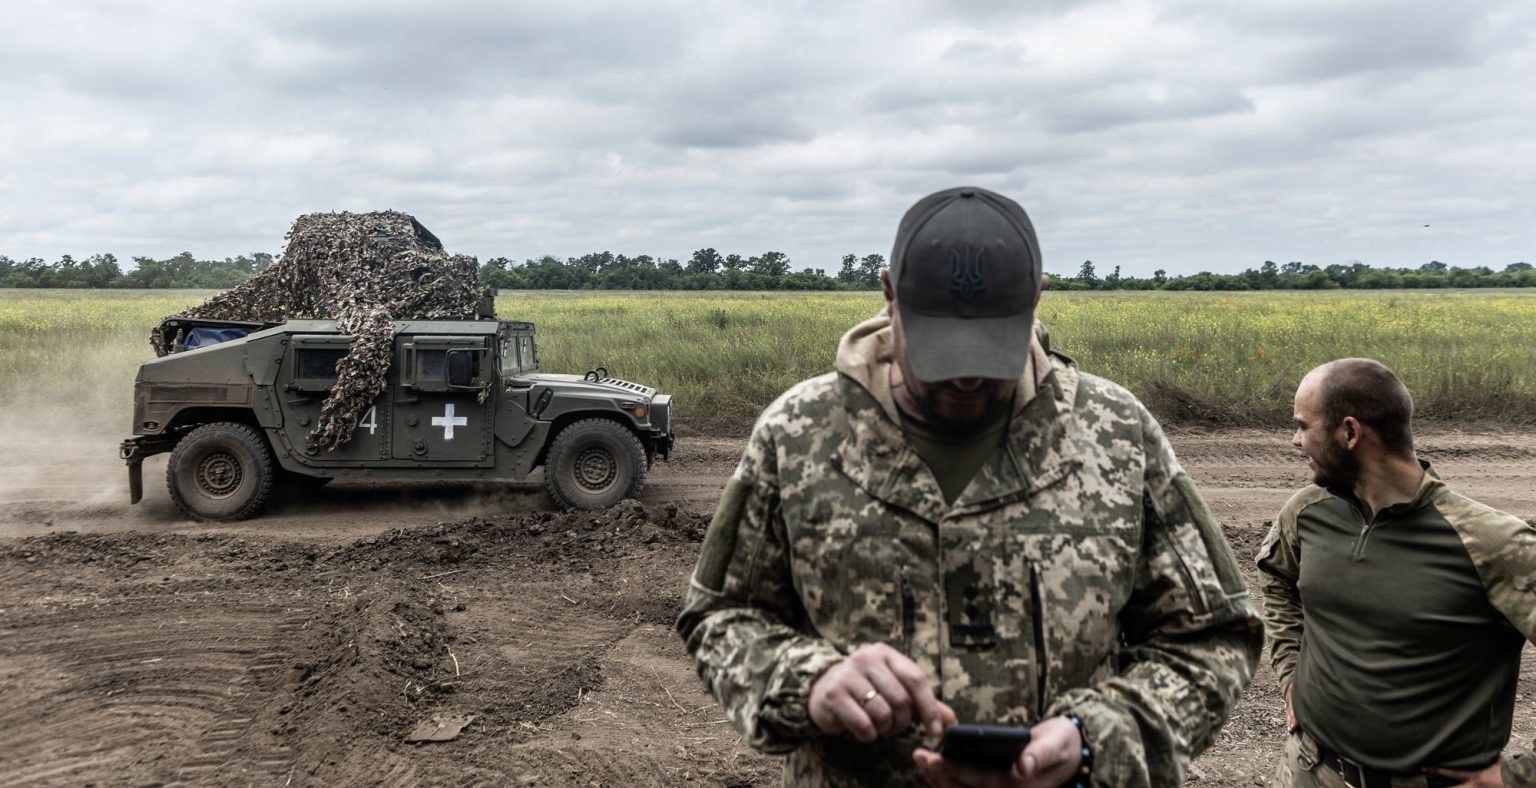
[1502, 548]
[1078, 573]
[363, 270]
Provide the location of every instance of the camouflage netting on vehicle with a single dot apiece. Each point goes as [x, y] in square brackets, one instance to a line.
[362, 270]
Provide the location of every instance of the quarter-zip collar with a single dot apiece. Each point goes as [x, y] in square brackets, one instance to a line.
[1429, 486]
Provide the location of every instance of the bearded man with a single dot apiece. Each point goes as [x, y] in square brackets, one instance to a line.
[958, 524]
[1396, 608]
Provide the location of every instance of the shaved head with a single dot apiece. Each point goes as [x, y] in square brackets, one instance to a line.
[1371, 392]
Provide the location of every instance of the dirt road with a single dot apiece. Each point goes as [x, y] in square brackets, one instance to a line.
[301, 648]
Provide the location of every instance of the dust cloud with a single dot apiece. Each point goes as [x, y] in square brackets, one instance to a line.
[58, 459]
[60, 471]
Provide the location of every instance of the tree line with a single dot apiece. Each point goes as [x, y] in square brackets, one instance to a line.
[103, 270]
[1305, 276]
[707, 269]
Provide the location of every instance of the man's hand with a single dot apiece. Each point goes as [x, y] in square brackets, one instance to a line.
[1055, 751]
[1290, 712]
[877, 691]
[1486, 778]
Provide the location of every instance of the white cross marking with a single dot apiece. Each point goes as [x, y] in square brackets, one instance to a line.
[448, 421]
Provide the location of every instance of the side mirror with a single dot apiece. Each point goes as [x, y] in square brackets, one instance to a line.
[460, 368]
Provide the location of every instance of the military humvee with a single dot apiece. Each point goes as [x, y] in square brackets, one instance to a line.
[233, 403]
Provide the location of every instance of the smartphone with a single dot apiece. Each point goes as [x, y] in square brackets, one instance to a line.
[984, 746]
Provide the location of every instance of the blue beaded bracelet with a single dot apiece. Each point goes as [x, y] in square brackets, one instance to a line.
[1084, 775]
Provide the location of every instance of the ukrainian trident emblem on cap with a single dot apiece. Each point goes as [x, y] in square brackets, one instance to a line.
[965, 266]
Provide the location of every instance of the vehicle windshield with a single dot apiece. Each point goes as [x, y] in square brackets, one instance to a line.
[517, 354]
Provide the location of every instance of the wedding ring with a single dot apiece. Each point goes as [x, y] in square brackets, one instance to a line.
[869, 696]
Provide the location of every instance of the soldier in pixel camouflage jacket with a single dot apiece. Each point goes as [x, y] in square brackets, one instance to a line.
[1079, 573]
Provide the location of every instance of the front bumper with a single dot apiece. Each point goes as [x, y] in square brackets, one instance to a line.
[134, 450]
[662, 444]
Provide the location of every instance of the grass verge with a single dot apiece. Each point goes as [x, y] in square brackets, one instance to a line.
[1194, 358]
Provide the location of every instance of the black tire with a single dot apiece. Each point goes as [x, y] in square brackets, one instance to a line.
[221, 471]
[594, 463]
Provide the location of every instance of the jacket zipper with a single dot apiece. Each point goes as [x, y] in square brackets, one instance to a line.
[908, 612]
[1365, 532]
[1036, 614]
[1359, 554]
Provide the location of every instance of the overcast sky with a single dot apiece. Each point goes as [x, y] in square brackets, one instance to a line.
[1179, 135]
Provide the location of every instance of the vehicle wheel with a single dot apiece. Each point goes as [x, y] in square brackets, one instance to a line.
[221, 471]
[594, 463]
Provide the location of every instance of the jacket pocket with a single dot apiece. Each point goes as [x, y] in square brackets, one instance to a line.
[854, 593]
[1042, 653]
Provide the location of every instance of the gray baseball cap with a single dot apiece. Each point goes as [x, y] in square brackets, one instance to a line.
[966, 271]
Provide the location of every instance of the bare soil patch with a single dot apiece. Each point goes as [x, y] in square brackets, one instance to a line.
[139, 648]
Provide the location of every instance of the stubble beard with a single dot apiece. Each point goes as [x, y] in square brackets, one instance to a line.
[1336, 469]
[959, 427]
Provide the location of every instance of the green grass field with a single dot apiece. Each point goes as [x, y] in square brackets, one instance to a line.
[1219, 358]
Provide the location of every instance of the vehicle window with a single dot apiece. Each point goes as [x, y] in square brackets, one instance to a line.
[317, 363]
[525, 351]
[431, 365]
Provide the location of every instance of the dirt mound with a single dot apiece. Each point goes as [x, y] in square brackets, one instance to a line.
[548, 538]
[124, 551]
[290, 660]
[417, 642]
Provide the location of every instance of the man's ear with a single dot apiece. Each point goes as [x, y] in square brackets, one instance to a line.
[885, 286]
[1352, 432]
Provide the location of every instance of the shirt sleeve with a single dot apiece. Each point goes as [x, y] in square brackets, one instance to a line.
[1192, 638]
[1279, 563]
[1503, 548]
[743, 622]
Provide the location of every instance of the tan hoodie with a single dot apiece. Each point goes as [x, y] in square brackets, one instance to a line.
[865, 355]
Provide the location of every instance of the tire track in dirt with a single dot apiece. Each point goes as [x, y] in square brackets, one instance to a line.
[235, 746]
[135, 674]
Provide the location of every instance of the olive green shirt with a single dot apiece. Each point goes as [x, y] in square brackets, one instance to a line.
[1400, 637]
[955, 460]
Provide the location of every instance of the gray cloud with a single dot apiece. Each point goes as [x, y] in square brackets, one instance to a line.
[1178, 135]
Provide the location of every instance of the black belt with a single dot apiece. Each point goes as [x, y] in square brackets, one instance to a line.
[1357, 775]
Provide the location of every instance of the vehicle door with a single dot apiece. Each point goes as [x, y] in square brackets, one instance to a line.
[443, 408]
[307, 377]
[519, 403]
